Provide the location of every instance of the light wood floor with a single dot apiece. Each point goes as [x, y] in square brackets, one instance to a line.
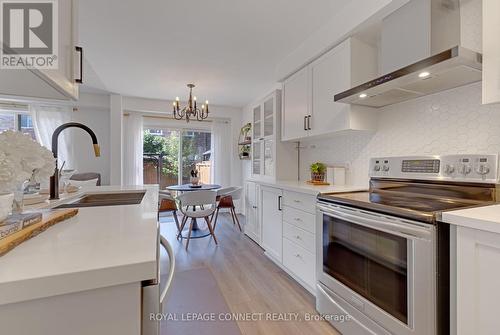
[248, 280]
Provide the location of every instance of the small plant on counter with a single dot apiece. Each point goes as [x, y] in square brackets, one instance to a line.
[318, 171]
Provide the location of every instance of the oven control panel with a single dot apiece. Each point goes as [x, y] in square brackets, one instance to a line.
[468, 168]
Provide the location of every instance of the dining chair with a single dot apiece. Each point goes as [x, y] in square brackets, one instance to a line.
[166, 203]
[196, 205]
[225, 199]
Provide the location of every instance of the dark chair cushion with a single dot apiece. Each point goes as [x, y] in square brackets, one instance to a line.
[87, 176]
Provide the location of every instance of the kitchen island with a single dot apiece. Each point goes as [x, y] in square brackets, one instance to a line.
[76, 275]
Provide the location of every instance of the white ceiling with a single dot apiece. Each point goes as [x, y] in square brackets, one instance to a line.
[228, 48]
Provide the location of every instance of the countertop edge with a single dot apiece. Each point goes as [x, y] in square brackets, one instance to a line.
[467, 220]
[308, 189]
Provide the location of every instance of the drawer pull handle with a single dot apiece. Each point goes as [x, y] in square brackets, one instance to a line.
[297, 201]
[297, 255]
[297, 219]
[297, 237]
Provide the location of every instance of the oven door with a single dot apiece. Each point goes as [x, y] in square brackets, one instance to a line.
[383, 267]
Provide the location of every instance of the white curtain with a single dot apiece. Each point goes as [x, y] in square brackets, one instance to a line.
[133, 137]
[221, 153]
[45, 120]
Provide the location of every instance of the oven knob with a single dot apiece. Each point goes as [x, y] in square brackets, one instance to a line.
[376, 168]
[465, 170]
[483, 169]
[385, 168]
[449, 169]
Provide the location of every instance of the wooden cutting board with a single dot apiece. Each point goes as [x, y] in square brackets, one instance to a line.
[318, 183]
[49, 219]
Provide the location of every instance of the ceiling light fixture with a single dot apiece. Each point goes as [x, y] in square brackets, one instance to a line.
[363, 95]
[424, 74]
[191, 111]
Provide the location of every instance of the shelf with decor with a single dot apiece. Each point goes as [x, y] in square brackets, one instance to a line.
[245, 142]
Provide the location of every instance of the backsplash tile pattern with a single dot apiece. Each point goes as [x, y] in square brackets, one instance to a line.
[446, 123]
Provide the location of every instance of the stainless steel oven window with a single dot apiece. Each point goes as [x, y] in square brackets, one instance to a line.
[372, 263]
[421, 273]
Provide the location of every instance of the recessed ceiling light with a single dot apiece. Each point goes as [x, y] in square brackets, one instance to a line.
[424, 74]
[363, 95]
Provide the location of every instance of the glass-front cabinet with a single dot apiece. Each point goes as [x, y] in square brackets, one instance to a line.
[264, 136]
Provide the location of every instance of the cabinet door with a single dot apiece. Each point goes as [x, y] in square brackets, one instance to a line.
[491, 51]
[268, 157]
[331, 74]
[64, 77]
[257, 157]
[272, 224]
[269, 115]
[257, 123]
[477, 277]
[296, 97]
[252, 224]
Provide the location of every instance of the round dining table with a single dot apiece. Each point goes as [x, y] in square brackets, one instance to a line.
[196, 232]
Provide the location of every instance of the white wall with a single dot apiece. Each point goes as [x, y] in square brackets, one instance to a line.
[93, 111]
[445, 123]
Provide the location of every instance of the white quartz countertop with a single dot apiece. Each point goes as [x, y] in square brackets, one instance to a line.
[302, 187]
[484, 218]
[99, 247]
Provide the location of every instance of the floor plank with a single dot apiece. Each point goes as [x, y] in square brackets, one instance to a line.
[248, 280]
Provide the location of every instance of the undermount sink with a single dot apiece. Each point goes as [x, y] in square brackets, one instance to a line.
[105, 199]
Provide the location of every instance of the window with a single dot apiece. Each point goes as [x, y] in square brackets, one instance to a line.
[171, 154]
[13, 120]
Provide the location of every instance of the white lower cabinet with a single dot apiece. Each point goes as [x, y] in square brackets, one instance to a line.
[272, 222]
[299, 261]
[477, 278]
[252, 210]
[288, 221]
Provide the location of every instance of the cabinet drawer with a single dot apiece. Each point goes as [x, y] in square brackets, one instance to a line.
[299, 261]
[299, 218]
[305, 202]
[299, 236]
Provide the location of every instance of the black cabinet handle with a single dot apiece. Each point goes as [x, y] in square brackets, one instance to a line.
[309, 122]
[80, 50]
[305, 122]
[279, 202]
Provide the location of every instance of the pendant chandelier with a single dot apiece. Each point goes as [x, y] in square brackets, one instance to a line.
[191, 111]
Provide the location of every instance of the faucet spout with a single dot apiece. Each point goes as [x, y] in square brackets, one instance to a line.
[54, 180]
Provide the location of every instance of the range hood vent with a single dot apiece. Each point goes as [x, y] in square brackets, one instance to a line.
[448, 69]
[428, 34]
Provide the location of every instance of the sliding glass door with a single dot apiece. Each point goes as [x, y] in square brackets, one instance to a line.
[171, 154]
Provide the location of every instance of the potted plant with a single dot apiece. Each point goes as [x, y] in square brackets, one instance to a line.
[318, 171]
[245, 130]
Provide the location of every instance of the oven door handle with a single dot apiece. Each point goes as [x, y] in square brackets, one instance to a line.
[171, 256]
[390, 228]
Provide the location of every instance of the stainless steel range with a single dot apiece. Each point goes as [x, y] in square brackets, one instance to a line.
[383, 255]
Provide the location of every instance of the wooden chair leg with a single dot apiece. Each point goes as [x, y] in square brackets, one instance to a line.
[211, 229]
[189, 233]
[176, 219]
[183, 224]
[214, 219]
[233, 211]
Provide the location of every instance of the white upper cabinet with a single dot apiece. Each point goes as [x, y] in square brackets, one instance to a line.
[271, 159]
[296, 105]
[61, 83]
[491, 51]
[309, 108]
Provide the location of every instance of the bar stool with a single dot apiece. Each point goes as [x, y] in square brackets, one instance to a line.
[187, 203]
[225, 198]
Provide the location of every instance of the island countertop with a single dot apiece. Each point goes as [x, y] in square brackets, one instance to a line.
[99, 247]
[485, 218]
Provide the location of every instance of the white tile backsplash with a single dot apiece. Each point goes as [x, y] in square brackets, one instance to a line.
[446, 123]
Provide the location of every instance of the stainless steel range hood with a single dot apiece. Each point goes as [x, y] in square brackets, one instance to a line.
[452, 65]
[449, 69]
